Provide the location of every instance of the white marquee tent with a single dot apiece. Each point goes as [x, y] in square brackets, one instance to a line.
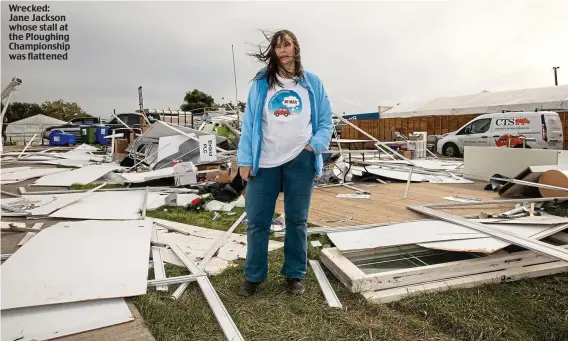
[554, 98]
[24, 129]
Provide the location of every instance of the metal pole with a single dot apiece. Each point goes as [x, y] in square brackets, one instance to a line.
[236, 94]
[556, 75]
[408, 183]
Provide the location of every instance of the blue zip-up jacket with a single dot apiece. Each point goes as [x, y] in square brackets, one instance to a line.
[248, 153]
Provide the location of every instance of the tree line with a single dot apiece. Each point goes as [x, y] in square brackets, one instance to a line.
[59, 109]
[195, 100]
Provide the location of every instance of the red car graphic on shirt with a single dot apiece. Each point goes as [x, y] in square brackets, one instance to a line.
[282, 111]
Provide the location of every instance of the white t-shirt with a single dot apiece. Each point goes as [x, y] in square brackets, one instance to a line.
[286, 123]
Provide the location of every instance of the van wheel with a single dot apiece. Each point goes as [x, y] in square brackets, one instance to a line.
[450, 149]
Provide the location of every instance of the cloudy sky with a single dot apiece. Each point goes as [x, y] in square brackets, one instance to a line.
[367, 53]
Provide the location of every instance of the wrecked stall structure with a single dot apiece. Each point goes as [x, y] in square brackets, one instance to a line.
[387, 262]
[100, 211]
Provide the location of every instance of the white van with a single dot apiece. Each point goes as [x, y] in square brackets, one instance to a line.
[505, 130]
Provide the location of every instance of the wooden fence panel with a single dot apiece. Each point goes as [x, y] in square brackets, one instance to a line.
[384, 128]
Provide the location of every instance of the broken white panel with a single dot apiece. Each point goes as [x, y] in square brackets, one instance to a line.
[481, 163]
[169, 145]
[62, 162]
[402, 234]
[28, 203]
[111, 205]
[402, 175]
[316, 243]
[186, 173]
[214, 267]
[54, 321]
[78, 261]
[4, 171]
[489, 244]
[200, 241]
[426, 164]
[32, 173]
[80, 155]
[138, 177]
[86, 148]
[82, 176]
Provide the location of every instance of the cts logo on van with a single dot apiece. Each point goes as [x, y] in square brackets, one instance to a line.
[504, 122]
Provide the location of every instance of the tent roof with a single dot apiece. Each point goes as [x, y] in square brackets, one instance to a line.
[548, 98]
[38, 119]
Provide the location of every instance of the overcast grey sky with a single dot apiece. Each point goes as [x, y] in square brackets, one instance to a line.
[366, 53]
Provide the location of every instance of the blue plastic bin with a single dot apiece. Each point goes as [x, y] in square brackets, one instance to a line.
[100, 132]
[57, 138]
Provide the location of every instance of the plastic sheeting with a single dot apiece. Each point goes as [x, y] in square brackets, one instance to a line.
[546, 98]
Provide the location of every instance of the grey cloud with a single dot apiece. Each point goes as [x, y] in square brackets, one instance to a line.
[367, 53]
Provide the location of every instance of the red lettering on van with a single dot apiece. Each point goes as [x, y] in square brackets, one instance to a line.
[522, 121]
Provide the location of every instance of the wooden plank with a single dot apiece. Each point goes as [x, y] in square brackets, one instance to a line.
[513, 274]
[386, 203]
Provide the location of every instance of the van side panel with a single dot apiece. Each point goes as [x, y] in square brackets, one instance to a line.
[554, 133]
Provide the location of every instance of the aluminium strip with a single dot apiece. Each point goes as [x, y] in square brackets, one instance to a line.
[512, 238]
[159, 271]
[329, 229]
[10, 194]
[144, 204]
[179, 291]
[488, 202]
[151, 189]
[175, 229]
[26, 147]
[173, 280]
[223, 317]
[29, 235]
[532, 184]
[327, 290]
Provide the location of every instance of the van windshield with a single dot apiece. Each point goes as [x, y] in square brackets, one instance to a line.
[478, 127]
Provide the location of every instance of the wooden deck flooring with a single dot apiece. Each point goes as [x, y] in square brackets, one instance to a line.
[387, 203]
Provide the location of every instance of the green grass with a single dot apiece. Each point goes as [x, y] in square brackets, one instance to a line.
[533, 309]
[527, 310]
[272, 314]
[91, 186]
[201, 218]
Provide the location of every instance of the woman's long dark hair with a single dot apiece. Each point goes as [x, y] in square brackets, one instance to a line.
[273, 65]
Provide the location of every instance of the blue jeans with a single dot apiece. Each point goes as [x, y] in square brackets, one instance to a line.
[296, 179]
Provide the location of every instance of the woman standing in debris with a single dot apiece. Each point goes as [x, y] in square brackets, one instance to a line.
[286, 126]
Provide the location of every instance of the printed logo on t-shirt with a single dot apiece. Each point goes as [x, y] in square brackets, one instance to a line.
[285, 103]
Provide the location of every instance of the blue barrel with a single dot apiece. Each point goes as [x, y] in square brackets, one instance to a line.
[100, 132]
[58, 138]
